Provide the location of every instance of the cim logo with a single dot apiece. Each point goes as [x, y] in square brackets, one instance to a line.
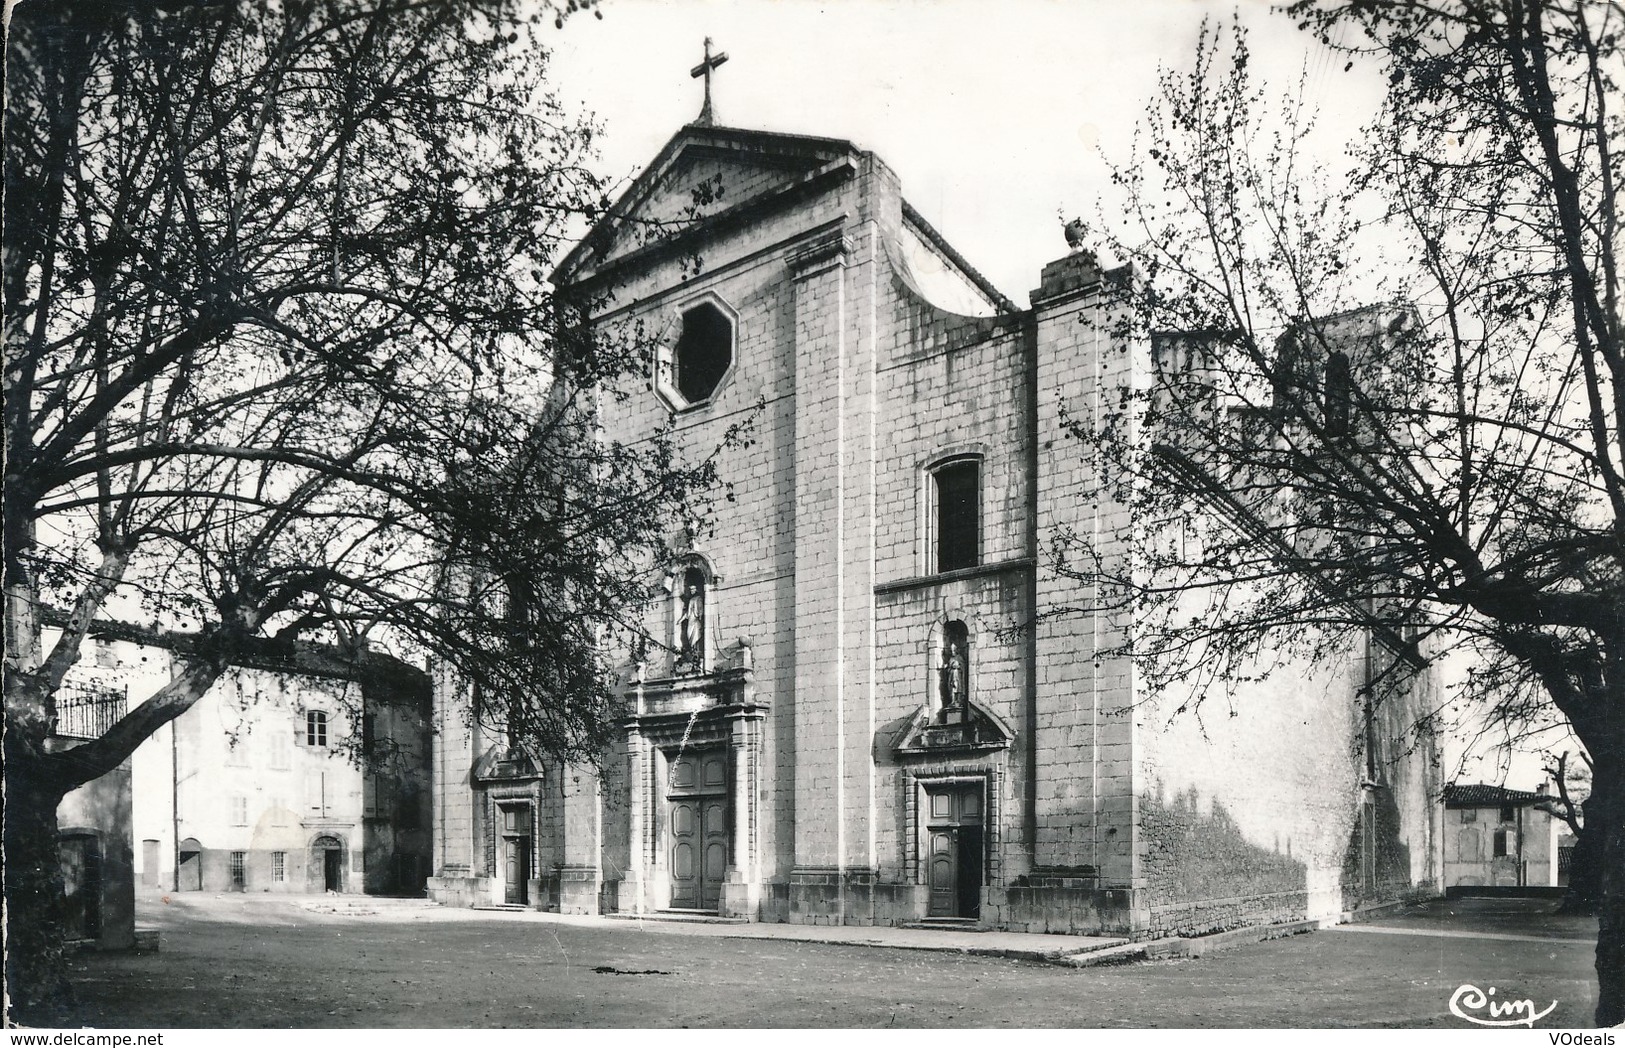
[1469, 998]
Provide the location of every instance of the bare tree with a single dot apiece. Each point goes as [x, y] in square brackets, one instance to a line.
[1398, 389]
[281, 366]
[1573, 782]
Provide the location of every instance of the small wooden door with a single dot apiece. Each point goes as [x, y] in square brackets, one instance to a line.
[955, 853]
[81, 858]
[333, 870]
[697, 829]
[516, 874]
[516, 855]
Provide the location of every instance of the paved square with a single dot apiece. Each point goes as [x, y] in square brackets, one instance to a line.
[245, 961]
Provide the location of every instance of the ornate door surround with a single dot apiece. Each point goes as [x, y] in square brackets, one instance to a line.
[678, 719]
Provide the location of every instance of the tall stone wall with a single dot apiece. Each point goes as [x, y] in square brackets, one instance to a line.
[1258, 802]
[1084, 798]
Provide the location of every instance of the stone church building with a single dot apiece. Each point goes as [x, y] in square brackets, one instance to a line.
[867, 710]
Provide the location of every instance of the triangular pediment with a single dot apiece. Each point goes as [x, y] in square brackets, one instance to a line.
[502, 761]
[703, 173]
[968, 729]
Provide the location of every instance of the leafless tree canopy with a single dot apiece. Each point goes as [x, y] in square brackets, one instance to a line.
[282, 365]
[1397, 390]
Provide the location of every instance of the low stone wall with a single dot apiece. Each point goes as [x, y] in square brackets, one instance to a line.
[1059, 909]
[817, 896]
[1206, 916]
[578, 889]
[776, 902]
[544, 892]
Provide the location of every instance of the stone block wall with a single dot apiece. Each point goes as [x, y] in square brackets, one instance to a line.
[752, 546]
[1058, 910]
[1252, 806]
[989, 605]
[460, 891]
[1083, 793]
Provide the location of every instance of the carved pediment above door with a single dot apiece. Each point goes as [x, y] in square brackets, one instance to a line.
[966, 729]
[505, 762]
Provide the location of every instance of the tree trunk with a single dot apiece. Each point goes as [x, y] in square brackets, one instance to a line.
[36, 961]
[1585, 866]
[1607, 799]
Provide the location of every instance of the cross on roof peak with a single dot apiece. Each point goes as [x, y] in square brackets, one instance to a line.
[706, 118]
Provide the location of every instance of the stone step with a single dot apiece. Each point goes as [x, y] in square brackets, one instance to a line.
[1178, 947]
[682, 916]
[954, 924]
[501, 907]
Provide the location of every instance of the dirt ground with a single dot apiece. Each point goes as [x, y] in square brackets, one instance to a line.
[300, 962]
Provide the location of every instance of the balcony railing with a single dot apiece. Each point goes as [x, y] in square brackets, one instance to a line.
[87, 710]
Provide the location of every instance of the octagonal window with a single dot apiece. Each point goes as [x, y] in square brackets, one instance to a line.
[696, 356]
[703, 352]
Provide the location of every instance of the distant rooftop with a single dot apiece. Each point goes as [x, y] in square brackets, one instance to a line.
[1476, 795]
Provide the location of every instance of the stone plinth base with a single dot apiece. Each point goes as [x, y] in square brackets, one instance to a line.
[578, 889]
[740, 899]
[460, 891]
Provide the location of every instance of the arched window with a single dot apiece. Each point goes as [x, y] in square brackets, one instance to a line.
[315, 728]
[956, 514]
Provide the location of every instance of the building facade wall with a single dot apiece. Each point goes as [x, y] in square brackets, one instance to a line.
[235, 784]
[848, 776]
[1469, 839]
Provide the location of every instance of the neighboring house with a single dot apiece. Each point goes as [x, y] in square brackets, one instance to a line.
[93, 821]
[869, 707]
[1496, 836]
[1566, 842]
[295, 772]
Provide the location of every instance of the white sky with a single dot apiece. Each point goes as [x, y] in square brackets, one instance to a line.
[994, 115]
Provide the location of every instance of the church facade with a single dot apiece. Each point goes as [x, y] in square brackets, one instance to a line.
[876, 701]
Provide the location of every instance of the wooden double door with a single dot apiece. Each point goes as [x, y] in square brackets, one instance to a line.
[697, 822]
[956, 848]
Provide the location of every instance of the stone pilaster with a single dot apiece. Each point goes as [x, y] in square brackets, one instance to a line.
[632, 892]
[580, 876]
[1084, 796]
[818, 272]
[742, 891]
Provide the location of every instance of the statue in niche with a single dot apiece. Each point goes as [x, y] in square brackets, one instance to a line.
[953, 684]
[691, 619]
